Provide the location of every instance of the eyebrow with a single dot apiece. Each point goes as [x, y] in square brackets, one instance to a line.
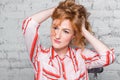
[55, 24]
[67, 29]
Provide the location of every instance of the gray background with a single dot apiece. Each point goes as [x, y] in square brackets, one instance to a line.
[14, 59]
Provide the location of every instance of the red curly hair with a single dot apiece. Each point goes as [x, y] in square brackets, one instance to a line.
[75, 13]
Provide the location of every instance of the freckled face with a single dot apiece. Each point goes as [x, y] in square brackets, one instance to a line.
[61, 34]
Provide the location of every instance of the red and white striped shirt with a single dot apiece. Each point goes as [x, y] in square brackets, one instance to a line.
[49, 66]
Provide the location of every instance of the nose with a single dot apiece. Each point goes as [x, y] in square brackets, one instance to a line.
[58, 34]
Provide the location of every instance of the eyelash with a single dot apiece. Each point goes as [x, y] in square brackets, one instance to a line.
[66, 32]
[55, 28]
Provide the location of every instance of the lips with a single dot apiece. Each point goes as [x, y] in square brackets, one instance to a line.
[57, 41]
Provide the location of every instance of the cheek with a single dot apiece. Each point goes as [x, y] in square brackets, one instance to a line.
[52, 34]
[67, 38]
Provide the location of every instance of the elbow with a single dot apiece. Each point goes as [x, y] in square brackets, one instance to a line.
[23, 23]
[110, 57]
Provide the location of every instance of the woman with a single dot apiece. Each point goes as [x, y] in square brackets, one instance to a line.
[69, 28]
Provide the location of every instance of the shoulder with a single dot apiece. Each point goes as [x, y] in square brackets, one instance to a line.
[76, 50]
[85, 53]
[82, 51]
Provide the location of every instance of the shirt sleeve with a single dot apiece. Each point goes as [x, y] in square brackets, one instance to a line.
[36, 51]
[30, 32]
[96, 60]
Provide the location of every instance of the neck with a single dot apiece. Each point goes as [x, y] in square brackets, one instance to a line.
[61, 52]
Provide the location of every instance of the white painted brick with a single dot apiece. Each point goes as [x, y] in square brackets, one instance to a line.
[111, 4]
[14, 14]
[117, 14]
[84, 1]
[28, 74]
[112, 41]
[4, 63]
[118, 5]
[110, 75]
[100, 4]
[118, 59]
[115, 24]
[101, 27]
[23, 7]
[23, 54]
[10, 7]
[101, 13]
[117, 0]
[37, 6]
[88, 5]
[16, 74]
[4, 1]
[13, 56]
[2, 55]
[4, 73]
[10, 1]
[105, 5]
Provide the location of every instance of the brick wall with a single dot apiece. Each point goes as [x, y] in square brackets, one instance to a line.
[14, 60]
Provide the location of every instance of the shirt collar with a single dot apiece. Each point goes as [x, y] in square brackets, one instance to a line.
[54, 54]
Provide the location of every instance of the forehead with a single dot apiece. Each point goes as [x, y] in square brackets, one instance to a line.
[62, 23]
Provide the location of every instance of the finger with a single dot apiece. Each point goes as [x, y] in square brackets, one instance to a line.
[83, 21]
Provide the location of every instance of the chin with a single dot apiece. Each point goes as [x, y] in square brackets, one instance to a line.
[56, 47]
[59, 47]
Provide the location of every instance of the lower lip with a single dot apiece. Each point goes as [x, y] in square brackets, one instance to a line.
[56, 41]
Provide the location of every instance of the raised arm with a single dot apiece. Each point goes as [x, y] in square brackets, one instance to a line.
[97, 44]
[30, 29]
[105, 55]
[43, 15]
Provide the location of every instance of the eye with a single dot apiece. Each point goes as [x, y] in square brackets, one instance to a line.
[55, 28]
[66, 31]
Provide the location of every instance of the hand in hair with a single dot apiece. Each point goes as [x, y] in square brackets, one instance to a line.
[83, 26]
